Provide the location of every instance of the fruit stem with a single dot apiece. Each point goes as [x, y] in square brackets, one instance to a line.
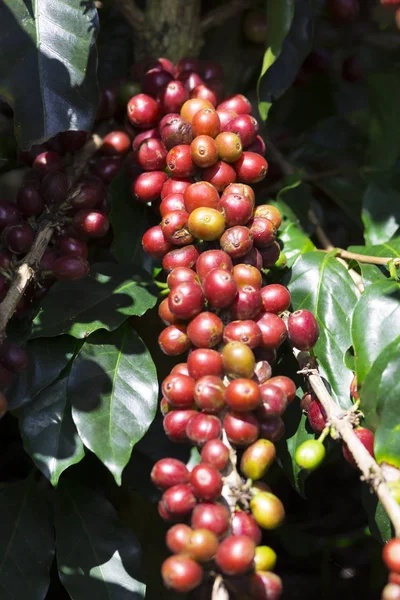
[324, 434]
[219, 591]
[393, 269]
[342, 427]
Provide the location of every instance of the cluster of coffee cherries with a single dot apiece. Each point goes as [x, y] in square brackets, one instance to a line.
[197, 164]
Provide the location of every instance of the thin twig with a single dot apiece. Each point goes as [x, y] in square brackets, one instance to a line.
[231, 478]
[341, 424]
[131, 12]
[370, 260]
[218, 16]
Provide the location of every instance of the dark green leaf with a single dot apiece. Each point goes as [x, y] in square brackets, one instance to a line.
[375, 325]
[295, 240]
[51, 45]
[113, 391]
[347, 192]
[370, 274]
[390, 249]
[378, 521]
[290, 38]
[97, 557]
[49, 433]
[322, 285]
[129, 220]
[103, 300]
[384, 102]
[26, 542]
[381, 213]
[47, 358]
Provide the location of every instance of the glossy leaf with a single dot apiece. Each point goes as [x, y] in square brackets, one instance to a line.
[322, 285]
[129, 221]
[370, 274]
[49, 433]
[47, 358]
[384, 102]
[378, 521]
[51, 45]
[295, 241]
[391, 249]
[381, 213]
[290, 36]
[113, 391]
[375, 325]
[103, 300]
[26, 541]
[97, 557]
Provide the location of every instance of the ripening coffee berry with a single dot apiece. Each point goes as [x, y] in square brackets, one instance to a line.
[178, 389]
[391, 591]
[116, 143]
[216, 454]
[263, 232]
[205, 92]
[200, 195]
[70, 268]
[271, 255]
[264, 558]
[317, 416]
[220, 175]
[236, 241]
[202, 545]
[366, 437]
[147, 186]
[203, 428]
[175, 424]
[186, 300]
[237, 209]
[177, 538]
[173, 96]
[175, 186]
[267, 510]
[192, 106]
[205, 330]
[245, 126]
[181, 573]
[244, 523]
[391, 555]
[19, 238]
[170, 203]
[180, 257]
[206, 122]
[242, 395]
[273, 331]
[168, 472]
[238, 360]
[174, 228]
[219, 288]
[206, 224]
[178, 500]
[303, 329]
[247, 303]
[91, 223]
[247, 275]
[275, 298]
[238, 103]
[209, 394]
[179, 161]
[310, 454]
[265, 585]
[273, 401]
[206, 482]
[179, 275]
[151, 155]
[173, 340]
[268, 211]
[247, 332]
[143, 111]
[229, 146]
[235, 555]
[212, 259]
[155, 243]
[204, 151]
[343, 11]
[257, 459]
[175, 131]
[241, 429]
[214, 517]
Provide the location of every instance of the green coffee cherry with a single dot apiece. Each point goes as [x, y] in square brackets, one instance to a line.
[310, 454]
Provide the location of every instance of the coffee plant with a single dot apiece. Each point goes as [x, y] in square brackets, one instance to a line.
[199, 299]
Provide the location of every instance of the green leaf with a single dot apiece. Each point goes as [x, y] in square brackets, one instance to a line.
[129, 220]
[370, 274]
[97, 557]
[390, 249]
[381, 213]
[290, 37]
[322, 285]
[113, 391]
[51, 45]
[26, 542]
[375, 325]
[291, 234]
[378, 522]
[49, 433]
[103, 300]
[384, 102]
[47, 358]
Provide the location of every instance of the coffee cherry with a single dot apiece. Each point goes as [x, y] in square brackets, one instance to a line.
[310, 454]
[206, 482]
[258, 146]
[29, 201]
[186, 300]
[19, 238]
[116, 143]
[204, 361]
[204, 151]
[238, 103]
[263, 232]
[47, 162]
[303, 329]
[200, 195]
[6, 377]
[264, 558]
[394, 578]
[173, 97]
[265, 586]
[179, 390]
[180, 257]
[272, 429]
[247, 303]
[391, 591]
[242, 395]
[273, 401]
[242, 189]
[267, 510]
[257, 459]
[175, 130]
[168, 472]
[177, 538]
[89, 192]
[275, 298]
[214, 517]
[179, 275]
[143, 111]
[151, 155]
[235, 555]
[216, 454]
[91, 223]
[175, 186]
[205, 330]
[273, 330]
[236, 241]
[246, 331]
[229, 146]
[9, 214]
[238, 360]
[202, 545]
[391, 555]
[219, 288]
[202, 428]
[192, 106]
[209, 394]
[155, 243]
[270, 212]
[70, 268]
[107, 167]
[237, 209]
[165, 407]
[220, 175]
[170, 203]
[72, 247]
[206, 224]
[174, 228]
[241, 429]
[306, 401]
[247, 275]
[181, 573]
[245, 127]
[366, 437]
[206, 122]
[179, 161]
[178, 500]
[175, 424]
[344, 11]
[212, 259]
[251, 167]
[245, 524]
[204, 92]
[286, 384]
[173, 340]
[317, 416]
[270, 255]
[13, 357]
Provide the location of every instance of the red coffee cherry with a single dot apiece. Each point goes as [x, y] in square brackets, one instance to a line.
[204, 151]
[391, 555]
[205, 330]
[116, 143]
[225, 116]
[179, 161]
[155, 243]
[236, 241]
[173, 340]
[251, 167]
[47, 162]
[155, 80]
[170, 203]
[275, 298]
[219, 288]
[174, 227]
[9, 214]
[258, 146]
[204, 361]
[366, 437]
[200, 195]
[247, 304]
[209, 394]
[202, 545]
[168, 472]
[214, 517]
[175, 424]
[177, 538]
[263, 232]
[247, 332]
[237, 209]
[70, 268]
[206, 122]
[179, 275]
[175, 186]
[179, 390]
[206, 482]
[317, 416]
[242, 395]
[286, 384]
[245, 524]
[247, 275]
[19, 238]
[273, 330]
[216, 454]
[212, 259]
[143, 111]
[151, 155]
[178, 500]
[205, 92]
[245, 126]
[220, 175]
[91, 223]
[238, 103]
[265, 586]
[270, 255]
[89, 193]
[303, 329]
[191, 79]
[72, 247]
[181, 257]
[29, 200]
[235, 555]
[270, 212]
[186, 300]
[273, 402]
[167, 317]
[181, 573]
[180, 368]
[242, 189]
[175, 131]
[242, 429]
[202, 428]
[173, 97]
